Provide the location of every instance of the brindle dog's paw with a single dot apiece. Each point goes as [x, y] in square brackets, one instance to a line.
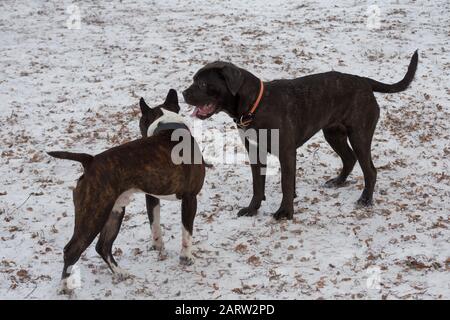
[186, 261]
[162, 255]
[335, 183]
[156, 247]
[283, 214]
[65, 289]
[364, 203]
[66, 292]
[247, 212]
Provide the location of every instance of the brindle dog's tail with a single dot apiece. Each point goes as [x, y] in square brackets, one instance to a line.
[399, 86]
[84, 158]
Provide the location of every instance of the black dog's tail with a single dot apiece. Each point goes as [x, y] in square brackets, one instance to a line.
[401, 85]
[84, 158]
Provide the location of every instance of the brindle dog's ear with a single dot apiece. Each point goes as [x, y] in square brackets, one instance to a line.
[233, 78]
[171, 102]
[145, 109]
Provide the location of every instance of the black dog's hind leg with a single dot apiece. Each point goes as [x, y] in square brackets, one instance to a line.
[288, 165]
[337, 138]
[361, 140]
[105, 242]
[153, 212]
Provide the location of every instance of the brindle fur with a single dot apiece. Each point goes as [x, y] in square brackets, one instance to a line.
[143, 164]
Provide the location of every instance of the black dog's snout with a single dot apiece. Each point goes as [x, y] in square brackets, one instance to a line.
[185, 93]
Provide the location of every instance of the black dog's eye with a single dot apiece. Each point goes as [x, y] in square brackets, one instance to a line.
[202, 85]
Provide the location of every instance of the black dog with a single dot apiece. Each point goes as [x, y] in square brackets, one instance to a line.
[342, 105]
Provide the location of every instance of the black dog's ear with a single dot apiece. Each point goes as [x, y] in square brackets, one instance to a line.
[145, 109]
[233, 78]
[171, 102]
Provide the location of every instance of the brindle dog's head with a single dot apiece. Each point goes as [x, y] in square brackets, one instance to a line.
[168, 111]
[215, 88]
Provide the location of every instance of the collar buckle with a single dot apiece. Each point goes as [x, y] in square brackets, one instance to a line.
[245, 120]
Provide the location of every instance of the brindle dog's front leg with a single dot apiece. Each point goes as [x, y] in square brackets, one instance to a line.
[153, 212]
[259, 181]
[287, 163]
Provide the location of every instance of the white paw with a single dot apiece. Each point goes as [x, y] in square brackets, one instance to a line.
[66, 288]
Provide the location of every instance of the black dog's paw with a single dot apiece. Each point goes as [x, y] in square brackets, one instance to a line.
[335, 183]
[247, 212]
[283, 214]
[364, 203]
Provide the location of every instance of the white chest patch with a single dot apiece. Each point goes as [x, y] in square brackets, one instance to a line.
[168, 116]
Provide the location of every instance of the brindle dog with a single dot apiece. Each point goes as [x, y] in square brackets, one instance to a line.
[342, 105]
[111, 177]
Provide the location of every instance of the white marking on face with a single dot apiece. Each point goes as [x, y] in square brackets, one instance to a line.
[168, 116]
[186, 243]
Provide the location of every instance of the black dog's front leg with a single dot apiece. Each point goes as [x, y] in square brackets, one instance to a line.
[259, 182]
[287, 163]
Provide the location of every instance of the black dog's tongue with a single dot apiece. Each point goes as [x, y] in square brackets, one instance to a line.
[195, 112]
[203, 111]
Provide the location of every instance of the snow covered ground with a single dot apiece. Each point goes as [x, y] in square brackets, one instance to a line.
[77, 89]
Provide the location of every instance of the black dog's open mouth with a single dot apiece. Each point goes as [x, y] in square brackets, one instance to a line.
[204, 111]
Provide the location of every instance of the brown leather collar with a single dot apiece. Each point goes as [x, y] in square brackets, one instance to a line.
[247, 118]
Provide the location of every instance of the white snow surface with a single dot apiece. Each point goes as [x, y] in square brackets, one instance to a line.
[78, 90]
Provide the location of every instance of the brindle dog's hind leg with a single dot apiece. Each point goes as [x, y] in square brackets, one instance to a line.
[337, 138]
[87, 225]
[188, 211]
[105, 242]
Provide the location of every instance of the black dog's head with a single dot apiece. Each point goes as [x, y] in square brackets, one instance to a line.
[215, 89]
[168, 111]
